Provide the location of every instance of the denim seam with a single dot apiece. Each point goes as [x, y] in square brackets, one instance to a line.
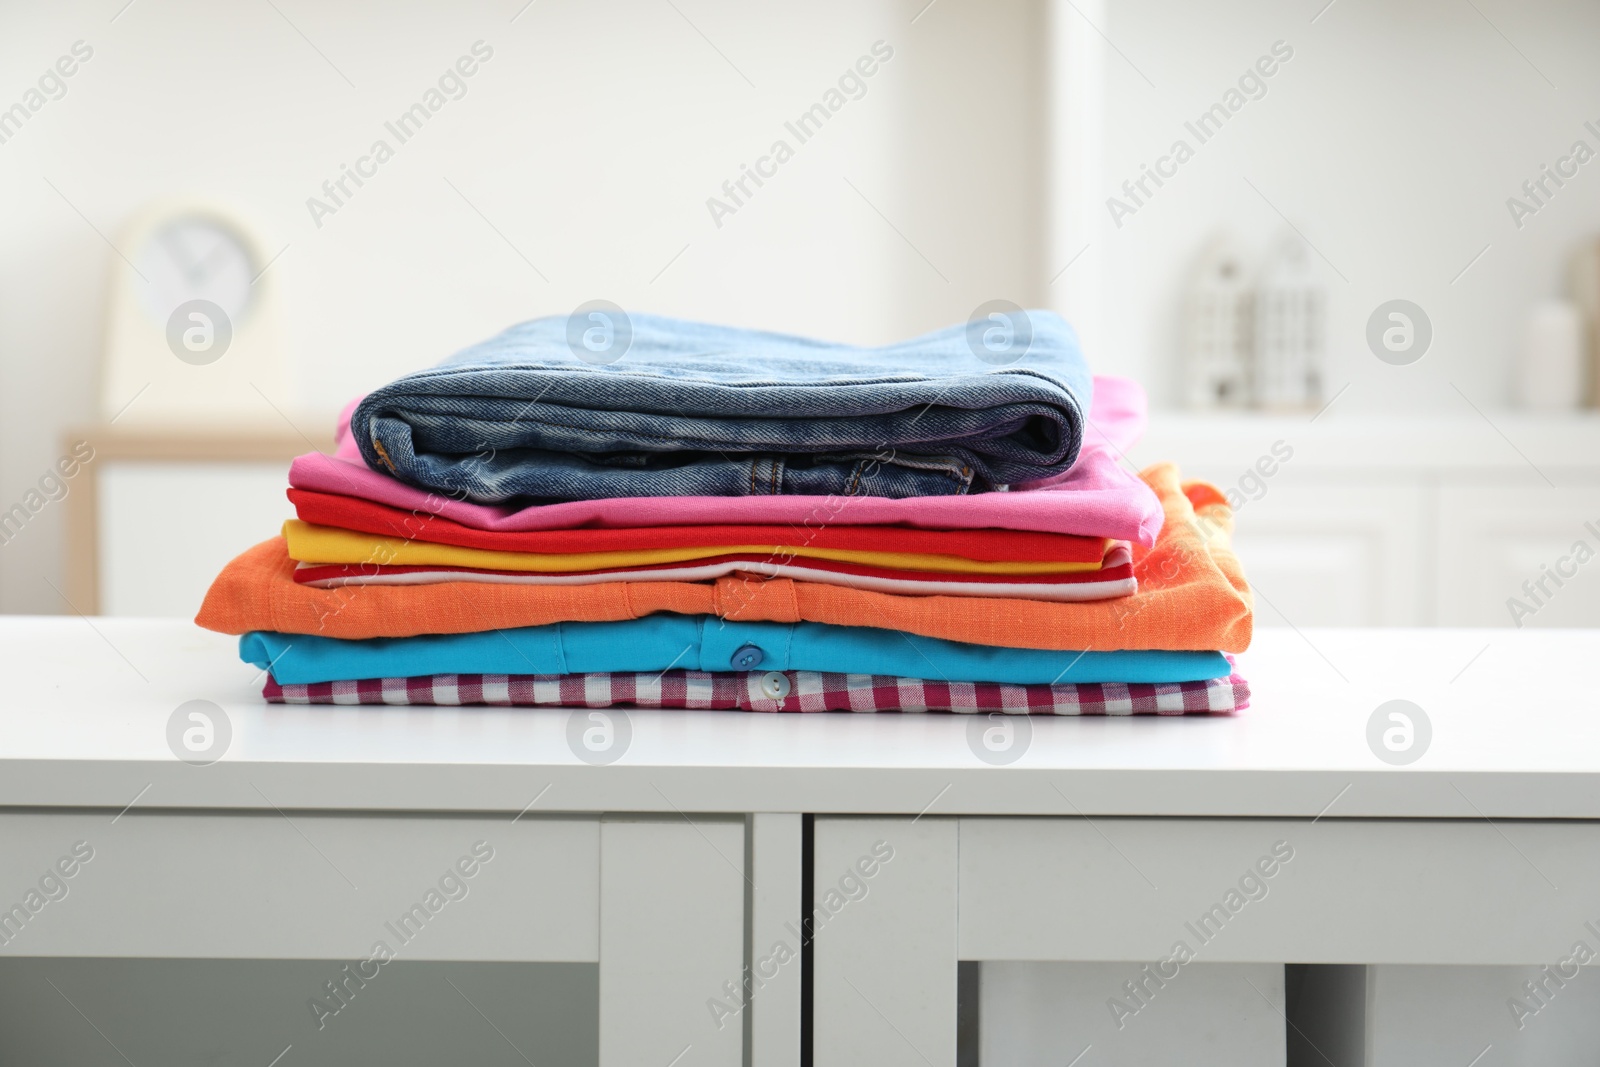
[961, 476]
[542, 370]
[855, 477]
[948, 469]
[383, 455]
[950, 465]
[677, 439]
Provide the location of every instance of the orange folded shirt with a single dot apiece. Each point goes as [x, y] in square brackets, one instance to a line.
[1192, 597]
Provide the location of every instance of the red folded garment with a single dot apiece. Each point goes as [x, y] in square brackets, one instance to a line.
[1114, 579]
[1020, 546]
[775, 691]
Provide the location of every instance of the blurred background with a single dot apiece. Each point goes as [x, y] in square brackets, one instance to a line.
[1360, 296]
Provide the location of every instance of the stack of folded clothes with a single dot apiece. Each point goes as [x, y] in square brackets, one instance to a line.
[743, 520]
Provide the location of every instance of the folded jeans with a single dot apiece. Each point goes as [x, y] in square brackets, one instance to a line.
[1096, 498]
[699, 410]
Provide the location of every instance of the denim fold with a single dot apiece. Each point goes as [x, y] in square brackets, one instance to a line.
[699, 410]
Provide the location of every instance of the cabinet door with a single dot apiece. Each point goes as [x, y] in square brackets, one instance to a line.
[1451, 1014]
[1494, 538]
[166, 529]
[1355, 891]
[1333, 554]
[883, 923]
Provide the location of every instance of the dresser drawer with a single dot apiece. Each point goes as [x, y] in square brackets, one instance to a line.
[272, 886]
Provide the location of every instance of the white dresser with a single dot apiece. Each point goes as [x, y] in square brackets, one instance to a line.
[1385, 913]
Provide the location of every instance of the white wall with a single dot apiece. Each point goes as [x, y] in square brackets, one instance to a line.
[594, 136]
[591, 140]
[1391, 139]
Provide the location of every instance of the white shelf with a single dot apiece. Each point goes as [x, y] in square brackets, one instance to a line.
[1499, 441]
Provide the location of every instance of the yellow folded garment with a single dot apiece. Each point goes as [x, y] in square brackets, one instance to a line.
[330, 544]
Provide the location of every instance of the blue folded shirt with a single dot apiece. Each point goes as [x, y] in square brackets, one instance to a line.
[706, 643]
[695, 410]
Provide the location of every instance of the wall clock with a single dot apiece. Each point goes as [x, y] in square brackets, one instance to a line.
[193, 332]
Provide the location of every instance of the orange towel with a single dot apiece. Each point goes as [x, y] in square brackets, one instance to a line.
[1192, 596]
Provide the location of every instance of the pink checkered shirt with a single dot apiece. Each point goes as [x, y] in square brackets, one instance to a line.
[757, 691]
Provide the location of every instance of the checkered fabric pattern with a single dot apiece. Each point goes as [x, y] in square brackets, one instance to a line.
[759, 691]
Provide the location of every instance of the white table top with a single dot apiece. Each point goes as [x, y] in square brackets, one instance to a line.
[1515, 718]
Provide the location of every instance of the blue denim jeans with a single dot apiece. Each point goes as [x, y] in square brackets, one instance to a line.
[696, 410]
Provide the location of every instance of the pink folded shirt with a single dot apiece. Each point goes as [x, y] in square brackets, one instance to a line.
[1096, 498]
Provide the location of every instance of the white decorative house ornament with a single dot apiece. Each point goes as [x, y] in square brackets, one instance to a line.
[1218, 327]
[1291, 314]
[1585, 279]
[1550, 360]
